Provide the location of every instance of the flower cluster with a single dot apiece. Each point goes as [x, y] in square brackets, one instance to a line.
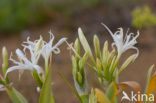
[36, 48]
[121, 43]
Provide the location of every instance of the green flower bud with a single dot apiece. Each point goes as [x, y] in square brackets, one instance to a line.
[74, 63]
[127, 62]
[79, 78]
[98, 65]
[105, 51]
[38, 46]
[85, 45]
[97, 46]
[5, 59]
[82, 61]
[110, 56]
[92, 97]
[77, 46]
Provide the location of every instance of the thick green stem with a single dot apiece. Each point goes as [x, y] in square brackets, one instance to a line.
[46, 65]
[84, 99]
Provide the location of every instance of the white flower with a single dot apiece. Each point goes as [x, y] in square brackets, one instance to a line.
[123, 44]
[48, 47]
[24, 63]
[34, 49]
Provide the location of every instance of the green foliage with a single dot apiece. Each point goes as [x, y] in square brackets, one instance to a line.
[105, 62]
[92, 97]
[111, 91]
[143, 17]
[17, 14]
[46, 90]
[79, 74]
[15, 96]
[68, 7]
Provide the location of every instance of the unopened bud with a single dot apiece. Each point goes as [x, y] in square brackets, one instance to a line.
[5, 59]
[77, 46]
[127, 62]
[105, 50]
[38, 45]
[84, 42]
[98, 65]
[97, 46]
[79, 77]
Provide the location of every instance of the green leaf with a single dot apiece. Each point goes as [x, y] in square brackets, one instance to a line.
[84, 99]
[148, 77]
[15, 96]
[111, 92]
[92, 97]
[37, 78]
[46, 91]
[75, 92]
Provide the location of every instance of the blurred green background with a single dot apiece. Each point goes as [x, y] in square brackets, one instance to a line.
[16, 15]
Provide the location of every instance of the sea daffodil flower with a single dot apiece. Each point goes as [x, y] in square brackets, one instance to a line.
[48, 47]
[123, 44]
[24, 63]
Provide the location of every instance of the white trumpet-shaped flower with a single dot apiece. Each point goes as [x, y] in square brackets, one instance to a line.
[48, 47]
[24, 63]
[123, 44]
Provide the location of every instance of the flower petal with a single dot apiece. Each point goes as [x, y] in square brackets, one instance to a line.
[22, 67]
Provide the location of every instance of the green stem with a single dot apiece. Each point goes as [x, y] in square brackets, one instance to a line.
[46, 65]
[84, 99]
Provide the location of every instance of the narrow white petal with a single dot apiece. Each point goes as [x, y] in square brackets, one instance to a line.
[56, 50]
[60, 42]
[22, 56]
[22, 67]
[108, 29]
[51, 38]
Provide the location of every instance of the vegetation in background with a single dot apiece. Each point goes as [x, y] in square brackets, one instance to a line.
[17, 14]
[143, 17]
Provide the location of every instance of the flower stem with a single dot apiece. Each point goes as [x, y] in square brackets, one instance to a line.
[46, 65]
[84, 99]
